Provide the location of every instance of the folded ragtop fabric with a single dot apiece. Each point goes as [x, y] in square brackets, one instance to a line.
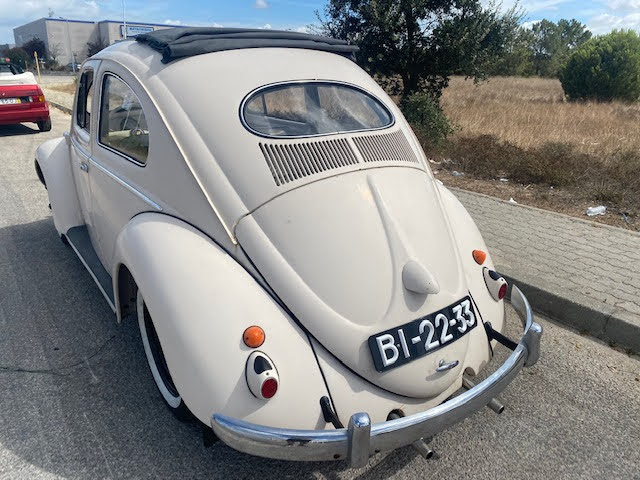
[175, 43]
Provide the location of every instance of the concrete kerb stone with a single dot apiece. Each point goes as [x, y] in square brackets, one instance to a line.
[62, 108]
[609, 326]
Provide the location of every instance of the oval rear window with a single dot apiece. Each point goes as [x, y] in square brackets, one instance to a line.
[313, 108]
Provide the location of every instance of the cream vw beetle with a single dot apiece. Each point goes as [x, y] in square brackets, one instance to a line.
[302, 283]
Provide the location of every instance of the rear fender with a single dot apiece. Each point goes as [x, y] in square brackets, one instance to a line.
[468, 239]
[52, 158]
[201, 301]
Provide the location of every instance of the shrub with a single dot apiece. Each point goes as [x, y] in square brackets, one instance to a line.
[18, 56]
[426, 117]
[605, 68]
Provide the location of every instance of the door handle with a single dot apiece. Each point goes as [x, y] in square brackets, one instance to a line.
[84, 166]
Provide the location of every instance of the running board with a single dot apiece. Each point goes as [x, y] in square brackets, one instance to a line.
[81, 243]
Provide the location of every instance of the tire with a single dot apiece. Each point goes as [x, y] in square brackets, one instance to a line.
[44, 125]
[158, 364]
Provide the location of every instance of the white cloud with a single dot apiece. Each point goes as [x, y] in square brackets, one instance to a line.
[266, 26]
[532, 6]
[261, 4]
[18, 13]
[529, 24]
[172, 22]
[606, 22]
[622, 4]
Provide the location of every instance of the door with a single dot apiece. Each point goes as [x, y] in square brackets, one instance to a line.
[119, 158]
[81, 147]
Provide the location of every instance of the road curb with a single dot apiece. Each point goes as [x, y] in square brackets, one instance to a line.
[62, 108]
[605, 325]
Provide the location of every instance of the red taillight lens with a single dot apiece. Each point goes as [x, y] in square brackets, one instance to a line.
[269, 388]
[503, 291]
[37, 98]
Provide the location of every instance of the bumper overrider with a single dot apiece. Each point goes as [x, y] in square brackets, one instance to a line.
[362, 439]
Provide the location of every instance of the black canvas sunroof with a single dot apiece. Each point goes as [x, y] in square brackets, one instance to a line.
[176, 43]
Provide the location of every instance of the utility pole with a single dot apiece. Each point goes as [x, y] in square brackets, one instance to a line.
[124, 21]
[35, 55]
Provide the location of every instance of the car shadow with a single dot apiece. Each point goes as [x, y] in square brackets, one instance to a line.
[78, 400]
[18, 129]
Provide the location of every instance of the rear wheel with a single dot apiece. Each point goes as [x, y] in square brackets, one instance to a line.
[44, 125]
[158, 364]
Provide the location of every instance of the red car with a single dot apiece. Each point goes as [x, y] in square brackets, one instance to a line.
[21, 99]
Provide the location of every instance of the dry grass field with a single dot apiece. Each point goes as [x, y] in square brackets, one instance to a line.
[528, 112]
[522, 129]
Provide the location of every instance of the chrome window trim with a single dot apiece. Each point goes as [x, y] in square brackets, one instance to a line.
[107, 147]
[250, 95]
[83, 71]
[163, 117]
[80, 149]
[125, 184]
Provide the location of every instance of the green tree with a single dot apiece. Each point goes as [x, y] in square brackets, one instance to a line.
[605, 68]
[35, 45]
[421, 42]
[18, 56]
[95, 47]
[553, 44]
[517, 59]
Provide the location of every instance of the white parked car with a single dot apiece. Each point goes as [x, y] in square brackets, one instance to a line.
[303, 284]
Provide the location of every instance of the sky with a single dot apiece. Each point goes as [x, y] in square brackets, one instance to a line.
[601, 16]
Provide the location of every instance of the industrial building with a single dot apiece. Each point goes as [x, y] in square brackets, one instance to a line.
[67, 39]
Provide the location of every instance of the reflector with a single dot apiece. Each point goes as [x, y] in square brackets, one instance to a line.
[269, 388]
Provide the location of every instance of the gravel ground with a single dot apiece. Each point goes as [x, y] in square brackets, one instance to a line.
[78, 401]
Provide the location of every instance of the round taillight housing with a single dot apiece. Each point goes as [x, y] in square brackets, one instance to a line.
[261, 374]
[496, 284]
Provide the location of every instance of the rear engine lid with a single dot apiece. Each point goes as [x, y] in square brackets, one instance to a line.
[336, 251]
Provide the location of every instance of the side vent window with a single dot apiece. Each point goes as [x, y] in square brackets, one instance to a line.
[123, 126]
[83, 104]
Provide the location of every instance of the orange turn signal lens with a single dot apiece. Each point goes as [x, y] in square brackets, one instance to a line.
[479, 256]
[253, 336]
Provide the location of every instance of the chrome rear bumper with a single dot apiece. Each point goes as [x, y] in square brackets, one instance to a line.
[362, 439]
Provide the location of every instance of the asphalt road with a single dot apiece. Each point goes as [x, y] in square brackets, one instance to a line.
[77, 400]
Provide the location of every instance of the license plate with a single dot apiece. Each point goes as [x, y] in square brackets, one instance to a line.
[401, 345]
[9, 101]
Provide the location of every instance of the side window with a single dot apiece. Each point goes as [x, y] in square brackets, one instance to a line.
[123, 126]
[85, 95]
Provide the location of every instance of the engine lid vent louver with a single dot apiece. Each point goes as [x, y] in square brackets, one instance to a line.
[390, 147]
[289, 162]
